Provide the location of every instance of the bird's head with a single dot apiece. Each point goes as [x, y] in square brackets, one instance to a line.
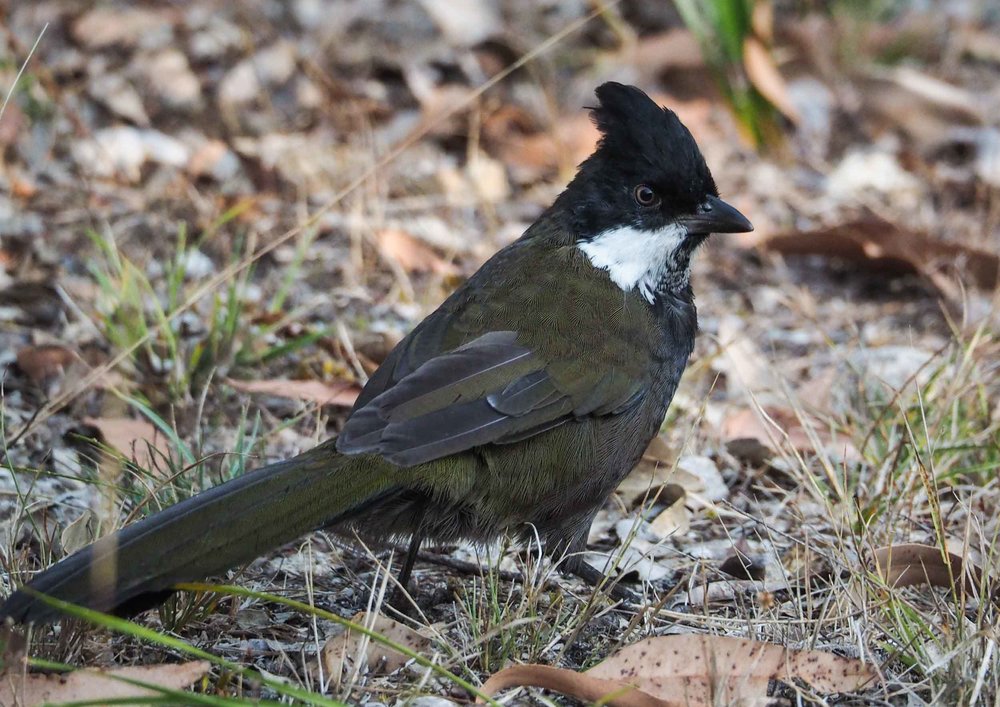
[645, 199]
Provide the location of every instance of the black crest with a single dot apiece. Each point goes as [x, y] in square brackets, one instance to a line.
[634, 127]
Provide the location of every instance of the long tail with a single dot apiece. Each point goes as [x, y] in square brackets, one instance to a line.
[221, 528]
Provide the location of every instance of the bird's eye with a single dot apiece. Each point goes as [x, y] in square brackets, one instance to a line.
[644, 195]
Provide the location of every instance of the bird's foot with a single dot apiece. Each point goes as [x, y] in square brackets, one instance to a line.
[600, 581]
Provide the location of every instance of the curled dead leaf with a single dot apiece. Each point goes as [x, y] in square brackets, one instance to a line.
[339, 393]
[883, 247]
[911, 564]
[750, 433]
[691, 670]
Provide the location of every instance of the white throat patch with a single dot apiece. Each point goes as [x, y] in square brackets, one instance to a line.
[635, 258]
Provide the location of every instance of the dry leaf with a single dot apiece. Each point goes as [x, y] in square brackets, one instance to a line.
[691, 670]
[42, 362]
[411, 253]
[34, 689]
[766, 78]
[747, 424]
[133, 439]
[912, 564]
[675, 519]
[339, 393]
[652, 472]
[341, 650]
[881, 246]
[80, 533]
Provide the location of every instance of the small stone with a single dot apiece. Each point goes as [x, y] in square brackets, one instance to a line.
[197, 265]
[171, 79]
[118, 96]
[271, 66]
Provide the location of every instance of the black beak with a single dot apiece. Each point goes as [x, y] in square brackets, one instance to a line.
[716, 216]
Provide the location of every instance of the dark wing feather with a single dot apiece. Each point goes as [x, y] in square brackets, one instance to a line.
[489, 390]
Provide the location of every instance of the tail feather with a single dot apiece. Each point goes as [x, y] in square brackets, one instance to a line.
[218, 529]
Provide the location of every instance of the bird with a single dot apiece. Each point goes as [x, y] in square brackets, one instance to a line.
[517, 406]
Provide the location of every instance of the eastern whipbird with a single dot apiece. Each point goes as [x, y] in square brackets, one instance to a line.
[517, 406]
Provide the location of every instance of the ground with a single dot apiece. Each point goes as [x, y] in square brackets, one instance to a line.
[200, 202]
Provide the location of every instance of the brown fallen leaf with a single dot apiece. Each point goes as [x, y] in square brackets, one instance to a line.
[764, 75]
[136, 439]
[34, 689]
[883, 247]
[650, 474]
[40, 363]
[911, 564]
[342, 650]
[691, 670]
[747, 424]
[339, 393]
[411, 253]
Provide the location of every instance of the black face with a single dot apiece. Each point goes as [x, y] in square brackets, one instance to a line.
[647, 173]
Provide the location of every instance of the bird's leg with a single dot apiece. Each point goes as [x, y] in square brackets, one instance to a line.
[599, 580]
[400, 599]
[411, 557]
[401, 594]
[571, 548]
